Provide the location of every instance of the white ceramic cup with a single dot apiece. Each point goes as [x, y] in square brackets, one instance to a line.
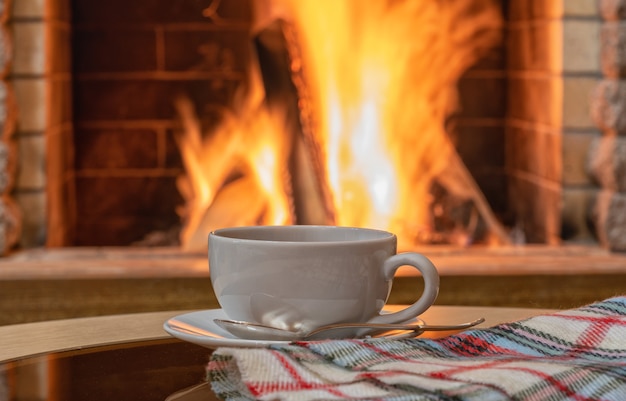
[302, 277]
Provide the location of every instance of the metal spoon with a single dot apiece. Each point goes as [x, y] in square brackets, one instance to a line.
[256, 331]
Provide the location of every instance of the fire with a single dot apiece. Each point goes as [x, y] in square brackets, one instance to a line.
[361, 173]
[234, 176]
[267, 163]
[381, 80]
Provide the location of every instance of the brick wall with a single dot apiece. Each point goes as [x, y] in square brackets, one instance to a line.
[477, 128]
[553, 59]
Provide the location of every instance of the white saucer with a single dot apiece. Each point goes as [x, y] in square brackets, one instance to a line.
[199, 328]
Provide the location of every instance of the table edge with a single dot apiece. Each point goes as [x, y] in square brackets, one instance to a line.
[25, 340]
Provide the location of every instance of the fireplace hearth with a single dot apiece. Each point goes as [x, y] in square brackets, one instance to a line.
[98, 161]
[61, 283]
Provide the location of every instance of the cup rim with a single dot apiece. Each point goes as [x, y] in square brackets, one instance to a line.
[230, 233]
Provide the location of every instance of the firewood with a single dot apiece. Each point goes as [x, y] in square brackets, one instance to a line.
[429, 67]
[238, 203]
[285, 89]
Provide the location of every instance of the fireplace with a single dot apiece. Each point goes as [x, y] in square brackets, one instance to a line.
[97, 160]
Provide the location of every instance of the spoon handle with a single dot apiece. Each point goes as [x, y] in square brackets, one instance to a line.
[417, 328]
[446, 327]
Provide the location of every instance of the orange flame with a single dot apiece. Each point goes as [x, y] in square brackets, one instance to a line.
[234, 175]
[382, 77]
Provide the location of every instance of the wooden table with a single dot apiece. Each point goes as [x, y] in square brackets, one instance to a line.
[131, 356]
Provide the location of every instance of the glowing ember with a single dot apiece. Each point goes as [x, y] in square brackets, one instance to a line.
[381, 77]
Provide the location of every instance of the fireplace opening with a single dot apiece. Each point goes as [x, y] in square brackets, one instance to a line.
[127, 87]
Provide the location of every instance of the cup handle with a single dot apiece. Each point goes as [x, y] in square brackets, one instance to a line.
[431, 286]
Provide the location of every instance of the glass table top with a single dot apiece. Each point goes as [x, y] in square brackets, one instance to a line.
[146, 370]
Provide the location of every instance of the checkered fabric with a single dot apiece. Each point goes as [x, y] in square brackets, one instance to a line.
[578, 354]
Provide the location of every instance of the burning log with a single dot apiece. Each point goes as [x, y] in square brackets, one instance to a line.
[276, 49]
[238, 203]
[280, 48]
[458, 181]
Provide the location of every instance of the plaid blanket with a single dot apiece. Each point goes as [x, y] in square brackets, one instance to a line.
[577, 354]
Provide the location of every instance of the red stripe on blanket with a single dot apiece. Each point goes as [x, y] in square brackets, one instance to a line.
[259, 388]
[557, 384]
[609, 320]
[469, 345]
[594, 334]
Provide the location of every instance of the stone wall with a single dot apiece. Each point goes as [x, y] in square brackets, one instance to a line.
[10, 177]
[607, 155]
